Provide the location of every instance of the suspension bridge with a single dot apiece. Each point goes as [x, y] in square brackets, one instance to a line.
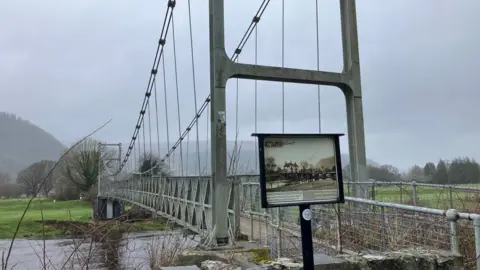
[220, 201]
[202, 202]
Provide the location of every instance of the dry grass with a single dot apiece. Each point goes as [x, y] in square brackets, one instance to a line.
[165, 249]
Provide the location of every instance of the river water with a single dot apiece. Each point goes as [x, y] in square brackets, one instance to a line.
[124, 251]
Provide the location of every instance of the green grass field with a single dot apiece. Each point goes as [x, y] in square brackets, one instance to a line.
[11, 210]
[429, 196]
[79, 211]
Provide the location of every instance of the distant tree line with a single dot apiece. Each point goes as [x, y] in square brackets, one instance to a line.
[291, 171]
[76, 174]
[460, 170]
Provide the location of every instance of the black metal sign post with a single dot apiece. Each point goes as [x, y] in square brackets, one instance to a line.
[307, 242]
[300, 170]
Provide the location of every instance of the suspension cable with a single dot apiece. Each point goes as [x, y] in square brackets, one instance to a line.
[166, 107]
[134, 160]
[234, 56]
[186, 156]
[318, 67]
[158, 55]
[208, 141]
[178, 96]
[231, 165]
[256, 103]
[139, 153]
[151, 156]
[156, 119]
[144, 141]
[194, 85]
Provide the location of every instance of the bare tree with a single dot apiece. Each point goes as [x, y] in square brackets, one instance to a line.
[304, 165]
[85, 163]
[386, 173]
[31, 178]
[415, 173]
[49, 182]
[5, 178]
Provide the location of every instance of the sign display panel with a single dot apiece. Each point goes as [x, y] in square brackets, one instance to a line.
[300, 169]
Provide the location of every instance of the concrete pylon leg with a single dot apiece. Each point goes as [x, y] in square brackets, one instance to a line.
[353, 96]
[218, 80]
[222, 68]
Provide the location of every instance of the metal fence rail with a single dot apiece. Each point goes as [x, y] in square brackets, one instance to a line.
[461, 197]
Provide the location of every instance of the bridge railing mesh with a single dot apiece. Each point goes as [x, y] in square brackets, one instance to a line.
[360, 226]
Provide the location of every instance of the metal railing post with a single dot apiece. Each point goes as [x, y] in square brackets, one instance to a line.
[452, 217]
[237, 186]
[414, 192]
[383, 228]
[339, 228]
[401, 192]
[279, 233]
[251, 213]
[373, 195]
[266, 227]
[476, 224]
[451, 196]
[373, 190]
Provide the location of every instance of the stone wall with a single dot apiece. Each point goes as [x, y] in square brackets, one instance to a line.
[417, 259]
[408, 259]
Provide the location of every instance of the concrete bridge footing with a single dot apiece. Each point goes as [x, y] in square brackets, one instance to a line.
[106, 208]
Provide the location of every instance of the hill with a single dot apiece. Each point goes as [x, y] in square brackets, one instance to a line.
[23, 143]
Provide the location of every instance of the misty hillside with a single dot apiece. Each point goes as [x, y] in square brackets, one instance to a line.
[23, 143]
[246, 161]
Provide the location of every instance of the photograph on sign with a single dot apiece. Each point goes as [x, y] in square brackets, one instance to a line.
[300, 169]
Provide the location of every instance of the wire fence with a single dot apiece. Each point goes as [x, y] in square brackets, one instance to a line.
[363, 225]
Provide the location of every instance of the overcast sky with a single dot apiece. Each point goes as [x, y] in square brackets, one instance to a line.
[69, 66]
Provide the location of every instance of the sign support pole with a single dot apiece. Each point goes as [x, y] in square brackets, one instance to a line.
[306, 230]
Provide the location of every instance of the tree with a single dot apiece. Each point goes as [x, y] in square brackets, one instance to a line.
[150, 164]
[463, 171]
[49, 183]
[416, 173]
[384, 173]
[304, 165]
[34, 178]
[472, 171]
[429, 169]
[5, 178]
[441, 173]
[270, 165]
[65, 190]
[11, 190]
[85, 163]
